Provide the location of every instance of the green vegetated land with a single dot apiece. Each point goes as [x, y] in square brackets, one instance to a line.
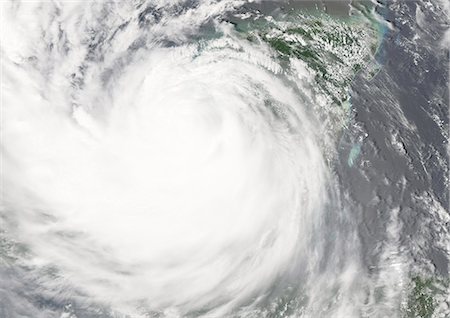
[334, 48]
[424, 295]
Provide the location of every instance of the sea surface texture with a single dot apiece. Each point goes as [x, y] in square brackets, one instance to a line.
[224, 159]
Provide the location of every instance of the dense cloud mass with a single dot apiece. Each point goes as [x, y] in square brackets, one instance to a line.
[164, 159]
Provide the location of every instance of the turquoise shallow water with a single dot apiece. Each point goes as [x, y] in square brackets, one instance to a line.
[224, 159]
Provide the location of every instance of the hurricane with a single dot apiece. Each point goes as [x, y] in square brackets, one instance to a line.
[190, 159]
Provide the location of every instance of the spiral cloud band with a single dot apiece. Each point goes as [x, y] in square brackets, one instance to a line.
[160, 172]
